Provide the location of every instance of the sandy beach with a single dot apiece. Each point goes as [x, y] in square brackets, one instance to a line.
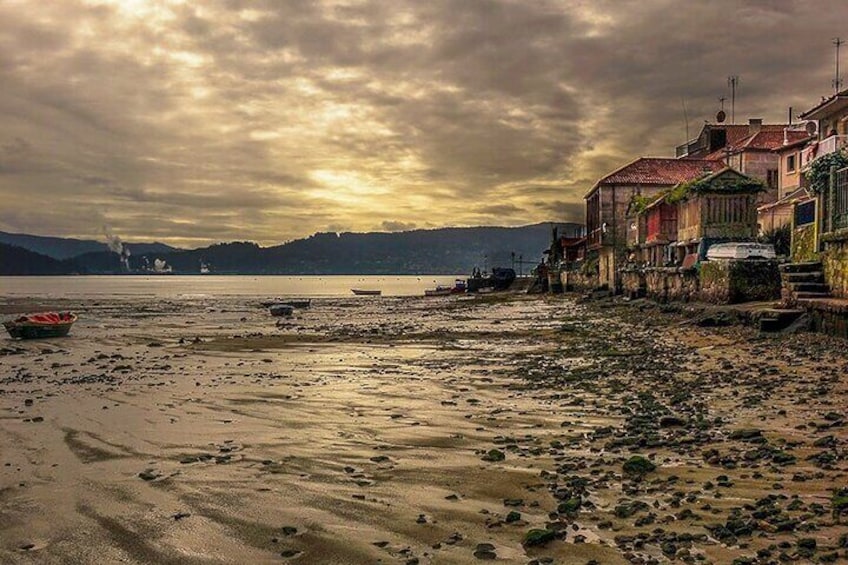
[412, 430]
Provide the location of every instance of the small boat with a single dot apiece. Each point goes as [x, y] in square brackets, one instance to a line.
[363, 292]
[41, 325]
[438, 291]
[281, 309]
[297, 303]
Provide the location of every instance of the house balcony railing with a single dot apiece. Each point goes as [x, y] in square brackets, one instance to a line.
[832, 144]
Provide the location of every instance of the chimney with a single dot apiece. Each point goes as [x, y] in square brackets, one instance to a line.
[754, 126]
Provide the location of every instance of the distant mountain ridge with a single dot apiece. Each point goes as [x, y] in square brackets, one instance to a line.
[66, 248]
[435, 251]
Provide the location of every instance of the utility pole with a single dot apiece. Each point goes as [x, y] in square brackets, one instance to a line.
[837, 81]
[733, 82]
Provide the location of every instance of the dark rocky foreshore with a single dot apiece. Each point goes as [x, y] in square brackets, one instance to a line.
[505, 428]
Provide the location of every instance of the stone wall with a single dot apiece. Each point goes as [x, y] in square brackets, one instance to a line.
[725, 282]
[577, 281]
[670, 284]
[834, 258]
[633, 283]
[729, 282]
[804, 244]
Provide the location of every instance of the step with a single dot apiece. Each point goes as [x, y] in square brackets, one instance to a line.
[808, 287]
[812, 276]
[810, 295]
[777, 319]
[809, 267]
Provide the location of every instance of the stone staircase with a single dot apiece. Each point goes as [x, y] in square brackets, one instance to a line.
[802, 281]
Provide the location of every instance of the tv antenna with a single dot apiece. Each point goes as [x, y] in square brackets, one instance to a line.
[721, 115]
[837, 81]
[733, 82]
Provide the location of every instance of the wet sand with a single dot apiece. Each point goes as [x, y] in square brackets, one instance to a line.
[417, 431]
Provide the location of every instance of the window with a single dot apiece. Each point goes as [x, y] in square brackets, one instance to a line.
[771, 178]
[790, 163]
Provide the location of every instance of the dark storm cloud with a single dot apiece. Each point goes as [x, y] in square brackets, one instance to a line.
[196, 122]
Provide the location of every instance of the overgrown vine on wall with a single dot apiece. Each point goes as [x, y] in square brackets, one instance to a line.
[818, 175]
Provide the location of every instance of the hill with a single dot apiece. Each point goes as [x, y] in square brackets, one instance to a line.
[436, 251]
[19, 261]
[66, 248]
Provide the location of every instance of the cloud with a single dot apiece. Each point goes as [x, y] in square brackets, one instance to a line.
[268, 120]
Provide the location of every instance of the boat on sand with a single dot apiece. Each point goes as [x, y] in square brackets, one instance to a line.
[41, 325]
[366, 292]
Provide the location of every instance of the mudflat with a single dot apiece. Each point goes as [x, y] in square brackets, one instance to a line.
[439, 430]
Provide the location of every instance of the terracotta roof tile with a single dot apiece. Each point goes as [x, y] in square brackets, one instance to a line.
[661, 171]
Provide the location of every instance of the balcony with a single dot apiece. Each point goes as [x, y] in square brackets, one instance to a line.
[832, 144]
[824, 147]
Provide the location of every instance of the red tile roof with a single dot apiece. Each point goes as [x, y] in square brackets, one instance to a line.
[764, 140]
[661, 171]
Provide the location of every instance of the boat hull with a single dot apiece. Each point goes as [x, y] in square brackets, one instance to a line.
[361, 292]
[40, 326]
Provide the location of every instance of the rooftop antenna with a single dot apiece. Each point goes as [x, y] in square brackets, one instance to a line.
[837, 81]
[685, 117]
[721, 115]
[733, 82]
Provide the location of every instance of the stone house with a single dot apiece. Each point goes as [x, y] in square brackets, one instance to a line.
[718, 207]
[608, 200]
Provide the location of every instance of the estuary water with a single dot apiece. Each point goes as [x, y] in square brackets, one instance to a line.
[201, 286]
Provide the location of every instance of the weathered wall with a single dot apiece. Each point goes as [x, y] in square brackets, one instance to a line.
[576, 281]
[729, 282]
[670, 284]
[757, 164]
[804, 244]
[724, 282]
[633, 283]
[834, 258]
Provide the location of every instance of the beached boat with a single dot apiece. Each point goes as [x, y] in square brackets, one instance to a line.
[438, 291]
[41, 325]
[458, 287]
[364, 292]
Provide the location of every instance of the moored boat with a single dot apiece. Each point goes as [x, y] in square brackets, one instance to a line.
[366, 292]
[438, 291]
[41, 325]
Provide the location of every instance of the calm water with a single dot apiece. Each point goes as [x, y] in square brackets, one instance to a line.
[212, 285]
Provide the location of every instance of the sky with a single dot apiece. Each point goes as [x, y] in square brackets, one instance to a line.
[193, 122]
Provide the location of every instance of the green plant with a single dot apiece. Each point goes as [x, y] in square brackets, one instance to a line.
[818, 175]
[780, 237]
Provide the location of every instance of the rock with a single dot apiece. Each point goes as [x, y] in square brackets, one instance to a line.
[485, 551]
[289, 530]
[671, 421]
[538, 537]
[638, 466]
[180, 515]
[513, 516]
[494, 455]
[570, 506]
[149, 474]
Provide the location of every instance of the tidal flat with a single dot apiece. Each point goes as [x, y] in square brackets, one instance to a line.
[502, 428]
